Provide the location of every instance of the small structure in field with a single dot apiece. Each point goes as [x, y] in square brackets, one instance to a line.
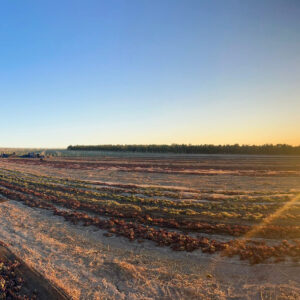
[7, 155]
[33, 155]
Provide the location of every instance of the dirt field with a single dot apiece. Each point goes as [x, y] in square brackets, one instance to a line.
[130, 226]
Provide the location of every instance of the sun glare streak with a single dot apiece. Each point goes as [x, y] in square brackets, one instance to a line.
[272, 217]
[256, 229]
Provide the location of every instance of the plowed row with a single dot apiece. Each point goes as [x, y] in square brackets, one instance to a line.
[270, 231]
[253, 251]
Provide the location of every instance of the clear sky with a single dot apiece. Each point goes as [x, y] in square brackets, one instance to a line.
[149, 71]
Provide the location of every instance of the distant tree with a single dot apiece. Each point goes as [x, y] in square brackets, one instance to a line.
[267, 149]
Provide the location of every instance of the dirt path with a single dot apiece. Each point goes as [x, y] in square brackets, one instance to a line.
[88, 265]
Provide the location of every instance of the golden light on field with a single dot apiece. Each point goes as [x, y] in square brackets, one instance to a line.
[256, 229]
[272, 217]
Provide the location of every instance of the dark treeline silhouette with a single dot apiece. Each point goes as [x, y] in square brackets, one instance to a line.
[268, 149]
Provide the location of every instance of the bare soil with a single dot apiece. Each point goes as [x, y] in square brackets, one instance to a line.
[85, 264]
[34, 285]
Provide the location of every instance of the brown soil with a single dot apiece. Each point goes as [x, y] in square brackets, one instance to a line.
[34, 283]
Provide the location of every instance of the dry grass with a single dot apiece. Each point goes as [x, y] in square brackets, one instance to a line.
[88, 265]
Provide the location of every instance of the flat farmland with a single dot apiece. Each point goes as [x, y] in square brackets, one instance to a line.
[150, 226]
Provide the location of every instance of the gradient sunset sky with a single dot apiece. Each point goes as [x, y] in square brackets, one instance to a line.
[149, 71]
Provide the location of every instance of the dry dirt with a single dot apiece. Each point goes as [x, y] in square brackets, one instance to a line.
[88, 265]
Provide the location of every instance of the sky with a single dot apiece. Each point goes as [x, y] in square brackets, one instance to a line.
[149, 72]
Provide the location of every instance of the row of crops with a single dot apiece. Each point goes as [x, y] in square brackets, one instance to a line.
[179, 219]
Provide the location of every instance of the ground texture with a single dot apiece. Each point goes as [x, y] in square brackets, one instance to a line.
[156, 226]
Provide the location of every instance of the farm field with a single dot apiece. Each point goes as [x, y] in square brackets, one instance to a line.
[156, 226]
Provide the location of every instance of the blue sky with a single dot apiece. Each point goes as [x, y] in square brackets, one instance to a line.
[98, 72]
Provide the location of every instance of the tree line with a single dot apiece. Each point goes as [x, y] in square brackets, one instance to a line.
[268, 149]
